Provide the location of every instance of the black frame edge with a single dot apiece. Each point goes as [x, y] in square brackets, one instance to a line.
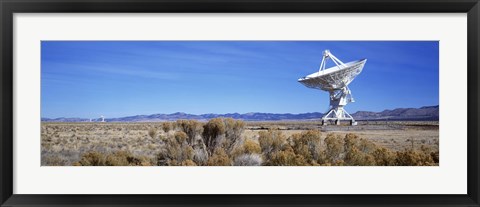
[241, 6]
[473, 21]
[241, 200]
[9, 7]
[6, 98]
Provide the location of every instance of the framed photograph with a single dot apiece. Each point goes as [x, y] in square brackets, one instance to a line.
[239, 103]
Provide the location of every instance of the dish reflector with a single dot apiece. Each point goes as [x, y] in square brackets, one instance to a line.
[334, 78]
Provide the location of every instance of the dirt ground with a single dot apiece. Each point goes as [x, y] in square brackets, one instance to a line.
[395, 135]
[392, 139]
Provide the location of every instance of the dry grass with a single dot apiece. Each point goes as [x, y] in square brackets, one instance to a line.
[225, 142]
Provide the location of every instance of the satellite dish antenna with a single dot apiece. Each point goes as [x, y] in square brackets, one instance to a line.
[335, 80]
[103, 118]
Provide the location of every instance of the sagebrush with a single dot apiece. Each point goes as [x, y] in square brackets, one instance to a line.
[218, 142]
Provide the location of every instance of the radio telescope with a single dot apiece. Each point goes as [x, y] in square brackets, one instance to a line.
[335, 80]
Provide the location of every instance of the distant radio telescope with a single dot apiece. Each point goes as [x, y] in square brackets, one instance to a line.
[102, 118]
[335, 80]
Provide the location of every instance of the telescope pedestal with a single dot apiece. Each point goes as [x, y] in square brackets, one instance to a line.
[337, 113]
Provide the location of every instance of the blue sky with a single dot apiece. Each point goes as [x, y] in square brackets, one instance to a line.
[123, 78]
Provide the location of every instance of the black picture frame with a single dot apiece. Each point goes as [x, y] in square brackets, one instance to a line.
[10, 7]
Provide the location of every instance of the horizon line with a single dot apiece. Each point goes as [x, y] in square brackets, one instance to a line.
[438, 105]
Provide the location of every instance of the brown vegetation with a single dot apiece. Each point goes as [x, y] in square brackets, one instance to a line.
[119, 158]
[218, 142]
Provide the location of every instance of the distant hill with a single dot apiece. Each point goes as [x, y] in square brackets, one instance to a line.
[246, 117]
[63, 119]
[423, 113]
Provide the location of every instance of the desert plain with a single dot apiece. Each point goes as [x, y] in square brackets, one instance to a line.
[225, 142]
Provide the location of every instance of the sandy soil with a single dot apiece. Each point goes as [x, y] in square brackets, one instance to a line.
[392, 139]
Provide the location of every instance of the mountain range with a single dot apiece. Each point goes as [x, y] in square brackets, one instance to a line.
[422, 113]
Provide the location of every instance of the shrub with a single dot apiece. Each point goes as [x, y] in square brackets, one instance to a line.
[92, 158]
[301, 149]
[152, 132]
[286, 157]
[125, 158]
[251, 147]
[192, 128]
[223, 133]
[212, 131]
[181, 138]
[271, 141]
[167, 126]
[357, 151]
[308, 145]
[176, 150]
[435, 156]
[367, 146]
[350, 141]
[384, 157]
[413, 158]
[188, 163]
[118, 158]
[248, 160]
[200, 156]
[233, 133]
[248, 147]
[219, 158]
[355, 157]
[334, 148]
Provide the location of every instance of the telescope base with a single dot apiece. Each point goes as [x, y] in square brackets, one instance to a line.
[338, 114]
